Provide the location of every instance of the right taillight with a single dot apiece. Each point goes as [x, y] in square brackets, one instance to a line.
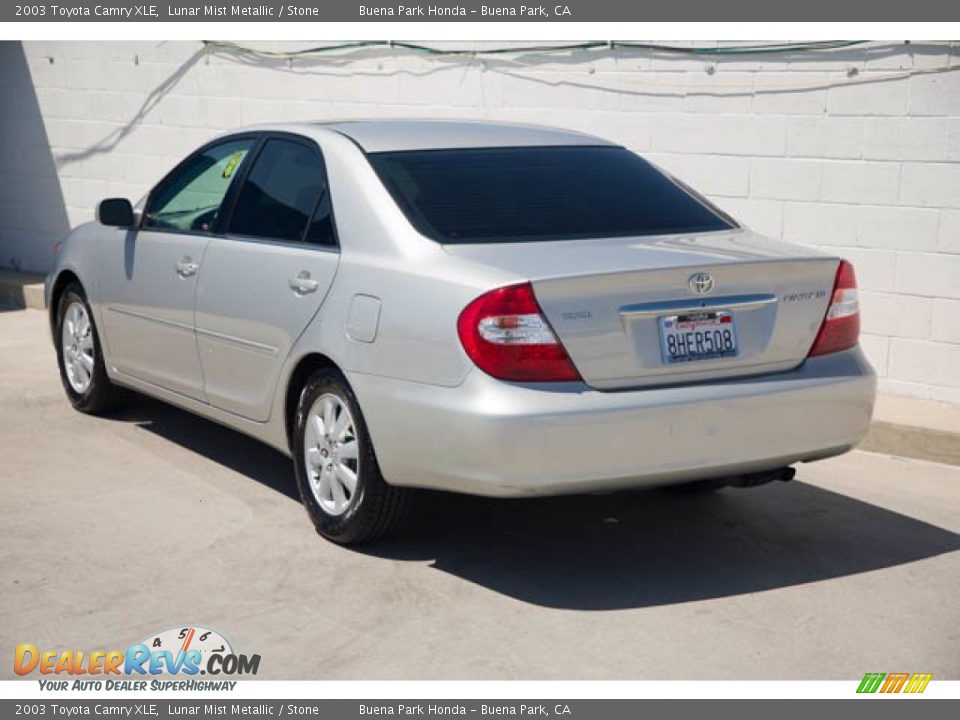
[841, 325]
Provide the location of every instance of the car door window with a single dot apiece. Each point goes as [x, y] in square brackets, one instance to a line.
[321, 230]
[280, 194]
[190, 198]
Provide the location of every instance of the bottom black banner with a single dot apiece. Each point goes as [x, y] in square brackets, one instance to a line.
[875, 709]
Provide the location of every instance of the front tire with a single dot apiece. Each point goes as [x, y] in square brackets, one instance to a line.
[80, 357]
[338, 477]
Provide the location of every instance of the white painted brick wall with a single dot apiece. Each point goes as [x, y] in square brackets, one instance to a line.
[856, 151]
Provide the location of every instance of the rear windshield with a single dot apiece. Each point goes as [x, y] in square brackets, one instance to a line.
[523, 194]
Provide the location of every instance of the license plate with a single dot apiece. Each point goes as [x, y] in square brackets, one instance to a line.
[698, 336]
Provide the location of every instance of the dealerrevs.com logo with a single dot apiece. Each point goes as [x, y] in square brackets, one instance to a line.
[181, 651]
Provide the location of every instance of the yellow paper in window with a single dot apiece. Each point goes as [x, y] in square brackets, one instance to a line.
[232, 163]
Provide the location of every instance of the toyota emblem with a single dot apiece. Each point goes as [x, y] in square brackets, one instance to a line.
[700, 283]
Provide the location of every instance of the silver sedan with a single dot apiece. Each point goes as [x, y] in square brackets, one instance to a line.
[501, 310]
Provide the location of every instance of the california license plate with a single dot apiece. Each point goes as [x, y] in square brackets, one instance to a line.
[698, 336]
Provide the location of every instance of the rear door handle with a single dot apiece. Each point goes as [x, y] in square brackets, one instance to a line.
[302, 284]
[186, 267]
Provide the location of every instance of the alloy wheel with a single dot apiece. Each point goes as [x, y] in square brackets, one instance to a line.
[76, 337]
[331, 454]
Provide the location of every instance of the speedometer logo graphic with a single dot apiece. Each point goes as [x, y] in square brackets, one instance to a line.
[183, 639]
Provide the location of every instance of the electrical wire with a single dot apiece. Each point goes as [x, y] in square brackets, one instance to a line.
[819, 46]
[745, 49]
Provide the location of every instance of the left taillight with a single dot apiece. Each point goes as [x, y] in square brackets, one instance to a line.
[840, 329]
[507, 336]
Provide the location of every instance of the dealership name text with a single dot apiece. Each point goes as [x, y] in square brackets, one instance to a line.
[521, 709]
[484, 10]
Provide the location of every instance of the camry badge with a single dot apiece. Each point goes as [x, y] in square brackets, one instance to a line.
[700, 283]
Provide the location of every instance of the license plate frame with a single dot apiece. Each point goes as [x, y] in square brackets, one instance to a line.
[705, 332]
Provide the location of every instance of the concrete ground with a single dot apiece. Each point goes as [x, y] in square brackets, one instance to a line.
[113, 528]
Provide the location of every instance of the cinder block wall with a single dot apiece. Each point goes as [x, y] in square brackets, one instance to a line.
[855, 150]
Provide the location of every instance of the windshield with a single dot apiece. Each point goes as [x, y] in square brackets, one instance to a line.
[523, 194]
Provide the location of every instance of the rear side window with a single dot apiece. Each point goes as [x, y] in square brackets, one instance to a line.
[540, 193]
[281, 192]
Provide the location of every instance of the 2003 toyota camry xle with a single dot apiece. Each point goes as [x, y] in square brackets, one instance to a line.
[493, 309]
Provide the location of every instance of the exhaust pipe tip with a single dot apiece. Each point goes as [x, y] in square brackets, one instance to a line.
[787, 474]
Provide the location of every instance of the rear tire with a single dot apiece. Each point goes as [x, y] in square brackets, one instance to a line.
[337, 473]
[80, 357]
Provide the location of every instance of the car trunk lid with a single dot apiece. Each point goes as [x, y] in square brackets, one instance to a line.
[610, 300]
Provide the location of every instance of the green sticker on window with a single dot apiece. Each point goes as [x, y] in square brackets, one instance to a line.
[232, 163]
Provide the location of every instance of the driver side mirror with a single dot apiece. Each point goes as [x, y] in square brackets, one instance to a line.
[115, 212]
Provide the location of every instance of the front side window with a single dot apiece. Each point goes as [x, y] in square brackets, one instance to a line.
[524, 194]
[191, 197]
[280, 194]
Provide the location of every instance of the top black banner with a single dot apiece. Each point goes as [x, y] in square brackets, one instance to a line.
[489, 11]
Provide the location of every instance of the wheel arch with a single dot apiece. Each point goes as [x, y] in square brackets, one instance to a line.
[305, 367]
[64, 279]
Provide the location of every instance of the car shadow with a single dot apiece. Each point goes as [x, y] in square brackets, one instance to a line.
[224, 446]
[658, 547]
[606, 552]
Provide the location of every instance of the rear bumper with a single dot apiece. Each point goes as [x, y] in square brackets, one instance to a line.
[487, 437]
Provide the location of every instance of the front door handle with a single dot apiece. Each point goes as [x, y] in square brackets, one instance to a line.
[302, 284]
[186, 267]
